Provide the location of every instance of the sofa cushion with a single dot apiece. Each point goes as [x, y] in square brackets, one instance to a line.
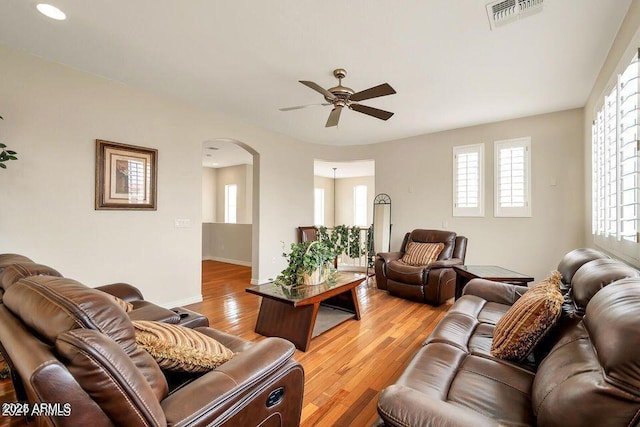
[403, 273]
[421, 253]
[52, 306]
[442, 372]
[145, 310]
[528, 320]
[575, 259]
[104, 371]
[14, 272]
[595, 275]
[8, 259]
[177, 348]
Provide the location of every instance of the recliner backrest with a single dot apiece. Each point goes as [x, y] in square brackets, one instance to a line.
[595, 275]
[15, 272]
[592, 374]
[575, 259]
[51, 306]
[434, 236]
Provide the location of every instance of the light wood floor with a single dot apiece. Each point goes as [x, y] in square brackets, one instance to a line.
[345, 368]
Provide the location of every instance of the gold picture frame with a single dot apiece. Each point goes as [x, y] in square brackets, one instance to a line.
[126, 176]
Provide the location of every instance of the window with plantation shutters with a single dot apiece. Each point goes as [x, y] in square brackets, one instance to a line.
[468, 180]
[614, 185]
[512, 189]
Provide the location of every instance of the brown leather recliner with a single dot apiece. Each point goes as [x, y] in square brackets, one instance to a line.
[73, 344]
[434, 283]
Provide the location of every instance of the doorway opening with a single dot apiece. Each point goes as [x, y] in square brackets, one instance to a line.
[343, 195]
[230, 209]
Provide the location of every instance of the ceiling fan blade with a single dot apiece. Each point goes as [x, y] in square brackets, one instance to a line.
[373, 92]
[318, 88]
[301, 106]
[378, 114]
[334, 117]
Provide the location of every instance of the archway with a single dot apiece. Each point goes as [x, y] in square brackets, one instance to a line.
[230, 202]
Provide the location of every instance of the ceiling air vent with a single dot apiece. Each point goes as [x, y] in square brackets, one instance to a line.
[502, 12]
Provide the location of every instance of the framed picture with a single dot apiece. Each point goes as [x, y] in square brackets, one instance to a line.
[126, 176]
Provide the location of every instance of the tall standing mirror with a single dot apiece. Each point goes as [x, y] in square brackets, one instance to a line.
[381, 223]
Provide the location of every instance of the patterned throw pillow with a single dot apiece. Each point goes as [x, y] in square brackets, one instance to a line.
[126, 306]
[422, 253]
[177, 348]
[528, 320]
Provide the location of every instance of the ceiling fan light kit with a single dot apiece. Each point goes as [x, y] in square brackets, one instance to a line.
[342, 96]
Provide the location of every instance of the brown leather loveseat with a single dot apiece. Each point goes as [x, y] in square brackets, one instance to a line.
[586, 372]
[74, 345]
[433, 283]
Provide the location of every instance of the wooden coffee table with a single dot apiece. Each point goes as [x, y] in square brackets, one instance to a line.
[301, 313]
[464, 273]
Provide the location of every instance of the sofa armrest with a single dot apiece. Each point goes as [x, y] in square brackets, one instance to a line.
[503, 293]
[123, 291]
[206, 398]
[446, 263]
[402, 406]
[387, 257]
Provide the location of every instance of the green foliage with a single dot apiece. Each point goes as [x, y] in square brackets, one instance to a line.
[6, 155]
[305, 257]
[343, 240]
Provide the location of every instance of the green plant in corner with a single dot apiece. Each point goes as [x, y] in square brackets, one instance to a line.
[6, 155]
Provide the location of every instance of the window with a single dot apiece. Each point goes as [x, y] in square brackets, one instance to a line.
[468, 180]
[615, 162]
[360, 205]
[318, 206]
[512, 190]
[230, 203]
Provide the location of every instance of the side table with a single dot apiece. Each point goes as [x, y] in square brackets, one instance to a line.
[464, 273]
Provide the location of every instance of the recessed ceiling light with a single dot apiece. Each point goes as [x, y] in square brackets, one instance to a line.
[214, 164]
[51, 12]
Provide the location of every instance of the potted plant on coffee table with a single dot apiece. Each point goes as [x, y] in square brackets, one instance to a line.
[309, 263]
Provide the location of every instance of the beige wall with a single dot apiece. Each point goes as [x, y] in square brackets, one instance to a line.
[327, 185]
[208, 195]
[344, 198]
[242, 176]
[626, 42]
[417, 174]
[53, 114]
[227, 243]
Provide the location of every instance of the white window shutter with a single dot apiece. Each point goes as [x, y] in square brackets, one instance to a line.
[512, 175]
[468, 180]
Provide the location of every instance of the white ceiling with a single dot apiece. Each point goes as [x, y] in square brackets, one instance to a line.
[220, 153]
[344, 169]
[244, 57]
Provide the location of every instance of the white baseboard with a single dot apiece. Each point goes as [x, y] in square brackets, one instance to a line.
[182, 302]
[227, 260]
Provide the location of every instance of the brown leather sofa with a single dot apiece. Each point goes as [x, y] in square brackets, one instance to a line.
[586, 372]
[434, 283]
[73, 344]
[14, 267]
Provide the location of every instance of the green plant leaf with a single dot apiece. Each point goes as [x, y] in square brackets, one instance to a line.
[2, 145]
[13, 158]
[3, 166]
[11, 152]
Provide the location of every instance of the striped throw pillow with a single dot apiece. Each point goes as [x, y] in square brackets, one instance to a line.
[177, 348]
[528, 320]
[125, 305]
[422, 253]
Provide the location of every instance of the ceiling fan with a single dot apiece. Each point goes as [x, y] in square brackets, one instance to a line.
[341, 96]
